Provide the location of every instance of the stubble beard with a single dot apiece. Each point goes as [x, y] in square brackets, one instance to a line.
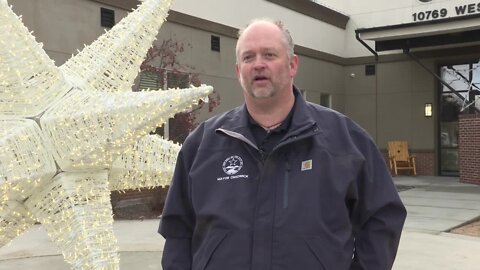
[262, 92]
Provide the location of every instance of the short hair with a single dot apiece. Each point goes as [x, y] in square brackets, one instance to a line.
[285, 33]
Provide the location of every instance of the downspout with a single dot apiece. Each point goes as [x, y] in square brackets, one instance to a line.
[357, 36]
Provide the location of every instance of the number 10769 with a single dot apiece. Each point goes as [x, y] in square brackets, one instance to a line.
[430, 14]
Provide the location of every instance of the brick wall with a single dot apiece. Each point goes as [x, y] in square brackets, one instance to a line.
[424, 161]
[469, 148]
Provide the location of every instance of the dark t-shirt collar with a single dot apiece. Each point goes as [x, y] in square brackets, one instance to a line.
[267, 140]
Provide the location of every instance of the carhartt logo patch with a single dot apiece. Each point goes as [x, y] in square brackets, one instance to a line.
[306, 165]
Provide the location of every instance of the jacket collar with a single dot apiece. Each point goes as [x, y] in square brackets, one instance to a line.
[302, 120]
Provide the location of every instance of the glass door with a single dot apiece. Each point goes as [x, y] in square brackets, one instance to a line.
[458, 97]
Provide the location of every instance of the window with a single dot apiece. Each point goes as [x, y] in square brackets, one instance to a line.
[150, 80]
[459, 97]
[107, 17]
[156, 80]
[326, 100]
[369, 70]
[215, 43]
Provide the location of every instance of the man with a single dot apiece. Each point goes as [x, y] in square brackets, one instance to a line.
[279, 183]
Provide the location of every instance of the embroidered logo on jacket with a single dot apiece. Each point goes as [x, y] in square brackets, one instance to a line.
[231, 166]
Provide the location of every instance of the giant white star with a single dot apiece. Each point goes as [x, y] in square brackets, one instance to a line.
[71, 134]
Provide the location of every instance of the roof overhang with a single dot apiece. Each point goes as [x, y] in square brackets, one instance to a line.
[458, 31]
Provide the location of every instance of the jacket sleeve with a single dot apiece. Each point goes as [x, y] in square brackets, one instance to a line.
[378, 215]
[177, 221]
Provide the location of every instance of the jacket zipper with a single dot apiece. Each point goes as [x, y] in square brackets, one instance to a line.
[286, 181]
[264, 156]
[260, 163]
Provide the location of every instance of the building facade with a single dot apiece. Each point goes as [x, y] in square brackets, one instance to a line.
[382, 63]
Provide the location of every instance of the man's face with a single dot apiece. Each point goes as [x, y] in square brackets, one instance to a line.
[263, 66]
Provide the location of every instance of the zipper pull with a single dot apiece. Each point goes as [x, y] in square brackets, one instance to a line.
[263, 154]
[286, 181]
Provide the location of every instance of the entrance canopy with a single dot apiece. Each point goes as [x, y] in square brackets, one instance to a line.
[461, 31]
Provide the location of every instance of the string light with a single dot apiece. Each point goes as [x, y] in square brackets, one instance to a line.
[69, 135]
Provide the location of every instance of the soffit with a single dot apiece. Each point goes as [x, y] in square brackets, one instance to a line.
[457, 31]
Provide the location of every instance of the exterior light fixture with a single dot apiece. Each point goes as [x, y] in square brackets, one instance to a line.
[428, 109]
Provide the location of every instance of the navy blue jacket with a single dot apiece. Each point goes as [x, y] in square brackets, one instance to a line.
[323, 199]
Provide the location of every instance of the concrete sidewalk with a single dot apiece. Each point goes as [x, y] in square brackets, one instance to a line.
[434, 205]
[140, 248]
[438, 204]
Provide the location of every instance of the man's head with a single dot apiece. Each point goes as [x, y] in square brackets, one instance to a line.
[285, 33]
[266, 64]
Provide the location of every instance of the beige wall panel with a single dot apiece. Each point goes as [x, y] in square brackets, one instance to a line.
[215, 63]
[319, 76]
[26, 9]
[63, 26]
[395, 77]
[422, 80]
[310, 73]
[334, 78]
[404, 88]
[401, 117]
[423, 128]
[356, 82]
[338, 103]
[316, 77]
[58, 57]
[197, 52]
[424, 86]
[361, 108]
[183, 37]
[313, 96]
[230, 93]
[394, 118]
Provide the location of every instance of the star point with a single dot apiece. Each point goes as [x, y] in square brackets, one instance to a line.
[70, 135]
